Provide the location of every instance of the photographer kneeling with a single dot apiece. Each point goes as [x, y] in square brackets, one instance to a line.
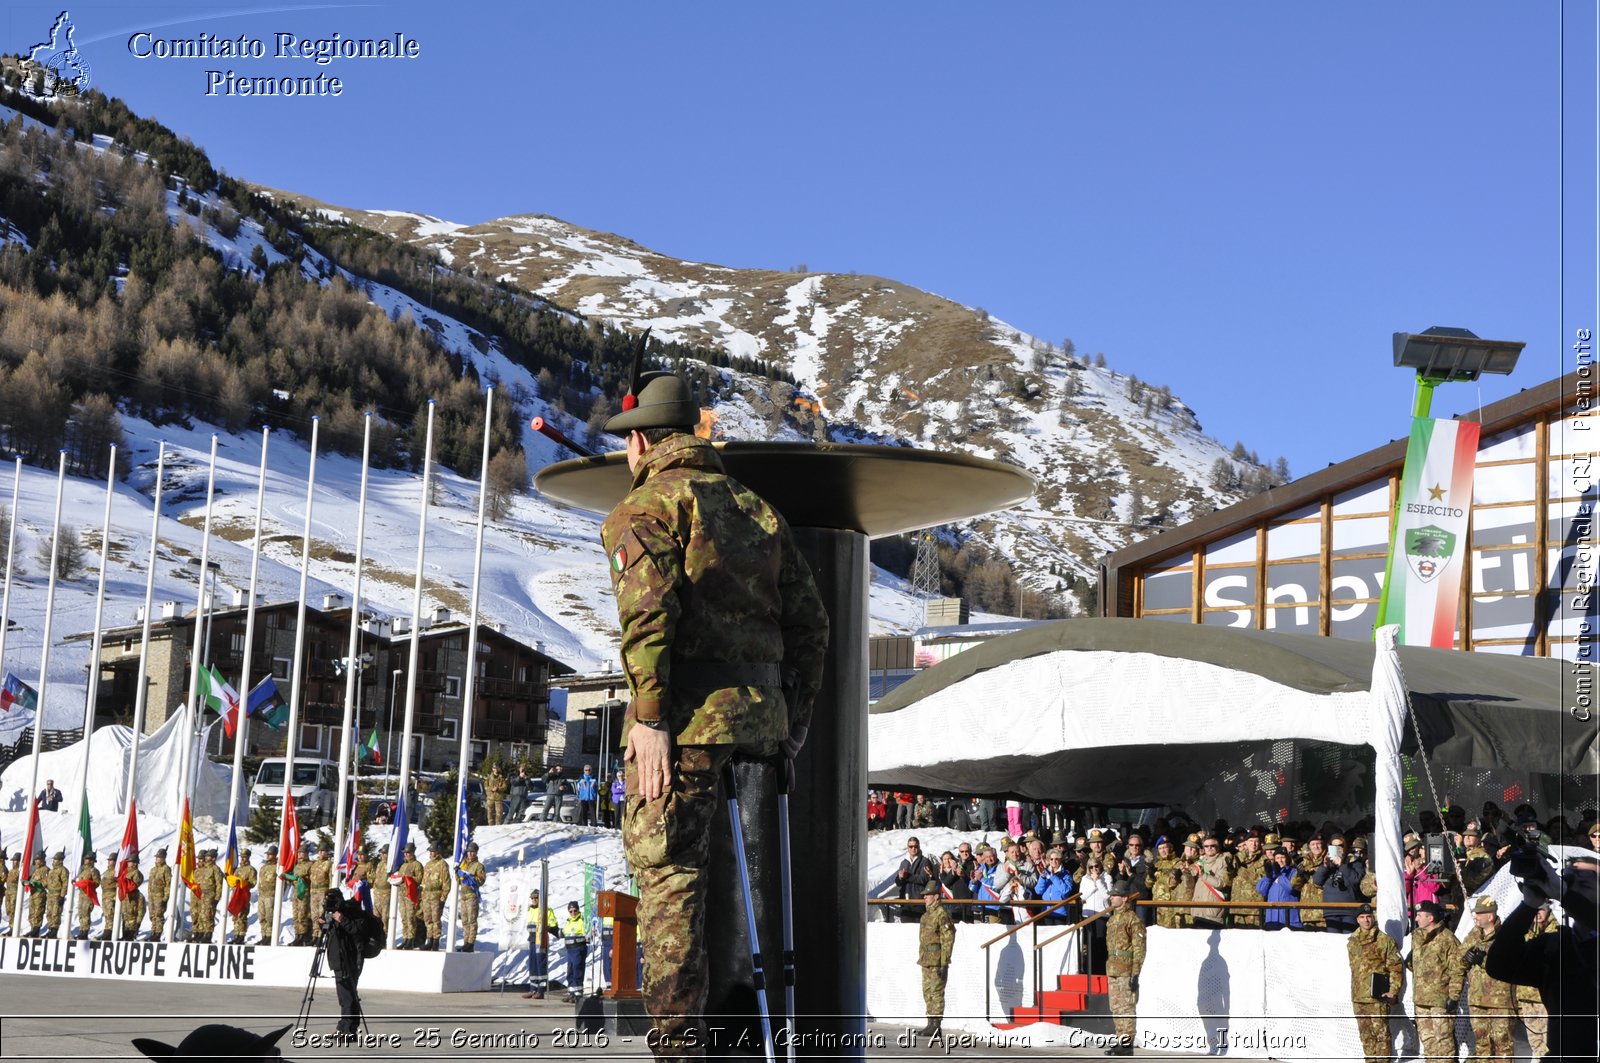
[351, 936]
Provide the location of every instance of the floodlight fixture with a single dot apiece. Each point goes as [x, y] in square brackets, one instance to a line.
[1449, 354]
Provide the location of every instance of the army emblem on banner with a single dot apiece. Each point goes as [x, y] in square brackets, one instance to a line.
[1428, 550]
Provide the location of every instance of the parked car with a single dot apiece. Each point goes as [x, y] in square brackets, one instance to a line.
[315, 786]
[431, 788]
[535, 809]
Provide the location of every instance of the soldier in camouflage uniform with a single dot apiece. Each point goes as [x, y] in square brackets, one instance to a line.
[410, 925]
[37, 894]
[108, 893]
[1124, 959]
[435, 888]
[299, 887]
[1249, 865]
[56, 883]
[88, 880]
[1436, 972]
[320, 878]
[1492, 1000]
[723, 640]
[160, 891]
[13, 888]
[1476, 863]
[1165, 884]
[266, 894]
[244, 878]
[212, 888]
[936, 938]
[1315, 856]
[1187, 863]
[132, 905]
[471, 869]
[382, 891]
[1373, 952]
[1530, 1005]
[494, 792]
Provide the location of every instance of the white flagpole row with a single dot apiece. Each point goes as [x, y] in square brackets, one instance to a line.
[297, 671]
[242, 727]
[92, 685]
[396, 842]
[44, 657]
[191, 704]
[352, 660]
[140, 686]
[469, 686]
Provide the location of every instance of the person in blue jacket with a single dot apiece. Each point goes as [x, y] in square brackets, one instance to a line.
[1055, 884]
[588, 798]
[1280, 881]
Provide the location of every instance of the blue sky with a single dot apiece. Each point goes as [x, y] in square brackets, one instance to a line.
[1218, 197]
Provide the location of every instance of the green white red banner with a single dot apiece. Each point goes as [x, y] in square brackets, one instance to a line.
[1423, 580]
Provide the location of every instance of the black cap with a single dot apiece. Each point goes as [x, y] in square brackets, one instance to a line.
[1432, 908]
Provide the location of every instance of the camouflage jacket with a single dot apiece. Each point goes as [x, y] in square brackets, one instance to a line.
[161, 880]
[1124, 943]
[936, 936]
[1436, 967]
[1483, 991]
[1373, 952]
[473, 869]
[1168, 877]
[56, 881]
[436, 877]
[321, 873]
[209, 879]
[1529, 994]
[1476, 867]
[707, 578]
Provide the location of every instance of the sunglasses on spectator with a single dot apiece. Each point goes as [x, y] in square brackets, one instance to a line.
[1208, 845]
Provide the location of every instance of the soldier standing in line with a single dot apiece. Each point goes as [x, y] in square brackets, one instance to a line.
[1372, 952]
[1436, 971]
[473, 875]
[410, 874]
[320, 877]
[244, 879]
[1530, 1005]
[56, 883]
[936, 938]
[435, 888]
[723, 641]
[1315, 856]
[212, 885]
[160, 890]
[382, 890]
[88, 886]
[494, 792]
[13, 888]
[133, 903]
[266, 894]
[1491, 1000]
[1124, 959]
[108, 887]
[300, 895]
[38, 891]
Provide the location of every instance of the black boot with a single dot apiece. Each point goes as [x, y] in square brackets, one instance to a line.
[467, 947]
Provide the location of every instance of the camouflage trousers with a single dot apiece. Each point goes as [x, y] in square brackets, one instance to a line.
[468, 905]
[35, 909]
[1124, 1008]
[1372, 1022]
[204, 914]
[158, 914]
[11, 905]
[410, 925]
[1492, 1032]
[1169, 917]
[301, 907]
[668, 845]
[85, 911]
[380, 906]
[53, 903]
[933, 993]
[433, 914]
[242, 921]
[1536, 1020]
[132, 913]
[1436, 1030]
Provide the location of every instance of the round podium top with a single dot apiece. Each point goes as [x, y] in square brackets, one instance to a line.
[873, 490]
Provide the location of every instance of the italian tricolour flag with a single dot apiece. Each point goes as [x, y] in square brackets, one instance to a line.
[1430, 533]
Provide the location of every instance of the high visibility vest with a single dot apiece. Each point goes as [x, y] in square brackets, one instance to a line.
[574, 930]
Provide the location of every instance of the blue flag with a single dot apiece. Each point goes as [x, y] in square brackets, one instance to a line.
[402, 831]
[263, 697]
[463, 833]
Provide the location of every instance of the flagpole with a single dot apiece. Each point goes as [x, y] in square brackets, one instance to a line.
[469, 686]
[94, 650]
[130, 800]
[353, 658]
[192, 704]
[242, 725]
[11, 549]
[296, 672]
[395, 841]
[44, 657]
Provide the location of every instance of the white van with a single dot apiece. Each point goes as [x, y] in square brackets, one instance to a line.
[316, 788]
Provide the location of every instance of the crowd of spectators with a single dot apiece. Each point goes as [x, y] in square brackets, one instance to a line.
[1444, 861]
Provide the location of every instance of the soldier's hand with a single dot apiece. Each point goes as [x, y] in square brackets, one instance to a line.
[1133, 983]
[650, 752]
[1450, 1005]
[944, 972]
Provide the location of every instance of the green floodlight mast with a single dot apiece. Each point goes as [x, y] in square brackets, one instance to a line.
[1442, 355]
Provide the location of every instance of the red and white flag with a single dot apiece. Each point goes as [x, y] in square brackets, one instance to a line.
[129, 846]
[289, 841]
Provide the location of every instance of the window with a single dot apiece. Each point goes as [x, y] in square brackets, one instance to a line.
[310, 738]
[480, 750]
[447, 729]
[236, 642]
[280, 667]
[452, 686]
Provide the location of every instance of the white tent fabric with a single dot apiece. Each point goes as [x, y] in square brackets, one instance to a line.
[1086, 699]
[1387, 723]
[160, 756]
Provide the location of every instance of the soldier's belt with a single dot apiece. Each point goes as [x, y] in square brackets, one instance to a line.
[727, 673]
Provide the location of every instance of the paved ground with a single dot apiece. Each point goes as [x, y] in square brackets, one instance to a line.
[82, 1019]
